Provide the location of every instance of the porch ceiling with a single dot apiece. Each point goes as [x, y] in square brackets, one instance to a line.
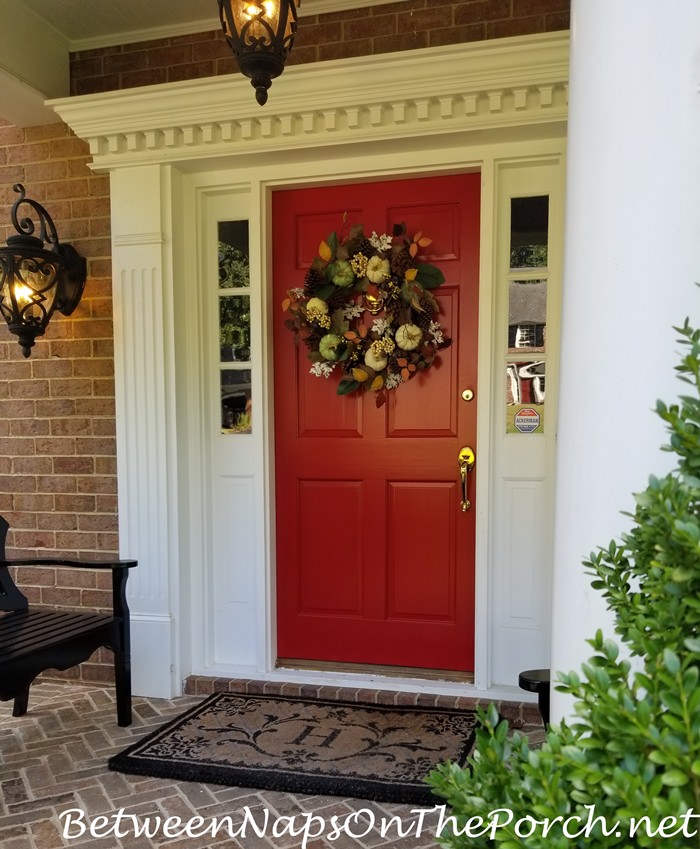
[49, 30]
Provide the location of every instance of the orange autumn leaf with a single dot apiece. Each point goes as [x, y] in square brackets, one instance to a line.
[286, 304]
[402, 361]
[424, 242]
[413, 250]
[405, 373]
[324, 251]
[363, 331]
[360, 375]
[410, 274]
[377, 383]
[351, 335]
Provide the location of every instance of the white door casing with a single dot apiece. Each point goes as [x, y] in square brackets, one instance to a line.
[182, 155]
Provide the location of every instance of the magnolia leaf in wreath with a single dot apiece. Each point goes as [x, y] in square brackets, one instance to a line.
[325, 252]
[324, 291]
[333, 241]
[429, 276]
[346, 386]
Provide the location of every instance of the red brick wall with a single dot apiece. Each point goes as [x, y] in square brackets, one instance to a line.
[57, 447]
[57, 444]
[358, 32]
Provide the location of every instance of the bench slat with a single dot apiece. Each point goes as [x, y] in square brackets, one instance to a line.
[24, 633]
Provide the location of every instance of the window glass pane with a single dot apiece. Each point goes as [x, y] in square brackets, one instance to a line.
[234, 328]
[234, 265]
[529, 224]
[527, 315]
[236, 402]
[233, 288]
[525, 390]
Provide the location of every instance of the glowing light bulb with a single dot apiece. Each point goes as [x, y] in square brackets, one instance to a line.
[23, 294]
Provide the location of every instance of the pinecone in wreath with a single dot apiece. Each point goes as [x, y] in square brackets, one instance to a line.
[360, 246]
[313, 339]
[336, 301]
[423, 319]
[312, 281]
[401, 261]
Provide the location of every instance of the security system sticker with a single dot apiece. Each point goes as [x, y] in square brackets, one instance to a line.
[526, 420]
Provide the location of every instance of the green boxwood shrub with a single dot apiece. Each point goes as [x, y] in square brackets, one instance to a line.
[624, 770]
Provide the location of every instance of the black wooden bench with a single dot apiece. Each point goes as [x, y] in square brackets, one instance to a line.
[32, 641]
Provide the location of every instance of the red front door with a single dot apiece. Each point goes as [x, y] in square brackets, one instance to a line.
[375, 557]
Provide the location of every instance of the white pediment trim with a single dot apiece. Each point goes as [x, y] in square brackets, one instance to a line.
[493, 85]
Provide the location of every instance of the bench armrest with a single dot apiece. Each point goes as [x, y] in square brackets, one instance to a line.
[79, 564]
[15, 600]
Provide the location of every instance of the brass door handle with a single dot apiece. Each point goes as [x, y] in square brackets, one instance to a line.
[466, 459]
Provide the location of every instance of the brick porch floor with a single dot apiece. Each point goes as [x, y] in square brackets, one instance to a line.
[54, 759]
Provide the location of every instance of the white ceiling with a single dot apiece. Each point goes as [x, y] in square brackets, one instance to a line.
[89, 22]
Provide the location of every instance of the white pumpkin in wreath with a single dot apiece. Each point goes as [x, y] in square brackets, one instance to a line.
[408, 336]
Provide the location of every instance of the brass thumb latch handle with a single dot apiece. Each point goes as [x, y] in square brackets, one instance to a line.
[466, 459]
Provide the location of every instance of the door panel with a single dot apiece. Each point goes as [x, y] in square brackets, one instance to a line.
[375, 559]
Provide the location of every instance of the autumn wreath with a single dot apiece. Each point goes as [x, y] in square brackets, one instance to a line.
[367, 309]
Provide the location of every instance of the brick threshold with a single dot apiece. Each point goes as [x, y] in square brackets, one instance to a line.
[518, 714]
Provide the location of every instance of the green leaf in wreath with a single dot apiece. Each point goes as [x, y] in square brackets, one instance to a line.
[429, 276]
[346, 386]
[411, 293]
[324, 292]
[333, 242]
[339, 324]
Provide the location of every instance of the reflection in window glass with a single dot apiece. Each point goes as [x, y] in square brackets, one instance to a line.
[529, 222]
[527, 314]
[525, 391]
[234, 266]
[234, 327]
[236, 403]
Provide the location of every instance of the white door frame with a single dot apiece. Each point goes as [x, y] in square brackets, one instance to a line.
[427, 111]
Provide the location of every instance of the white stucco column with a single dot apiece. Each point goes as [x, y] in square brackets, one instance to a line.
[632, 257]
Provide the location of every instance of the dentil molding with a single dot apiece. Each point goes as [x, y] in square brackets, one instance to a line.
[490, 85]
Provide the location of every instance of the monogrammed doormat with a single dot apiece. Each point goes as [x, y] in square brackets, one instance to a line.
[300, 745]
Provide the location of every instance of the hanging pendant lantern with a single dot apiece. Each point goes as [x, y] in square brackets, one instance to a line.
[37, 274]
[260, 34]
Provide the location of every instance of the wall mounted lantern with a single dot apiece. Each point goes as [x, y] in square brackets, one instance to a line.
[37, 274]
[260, 34]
